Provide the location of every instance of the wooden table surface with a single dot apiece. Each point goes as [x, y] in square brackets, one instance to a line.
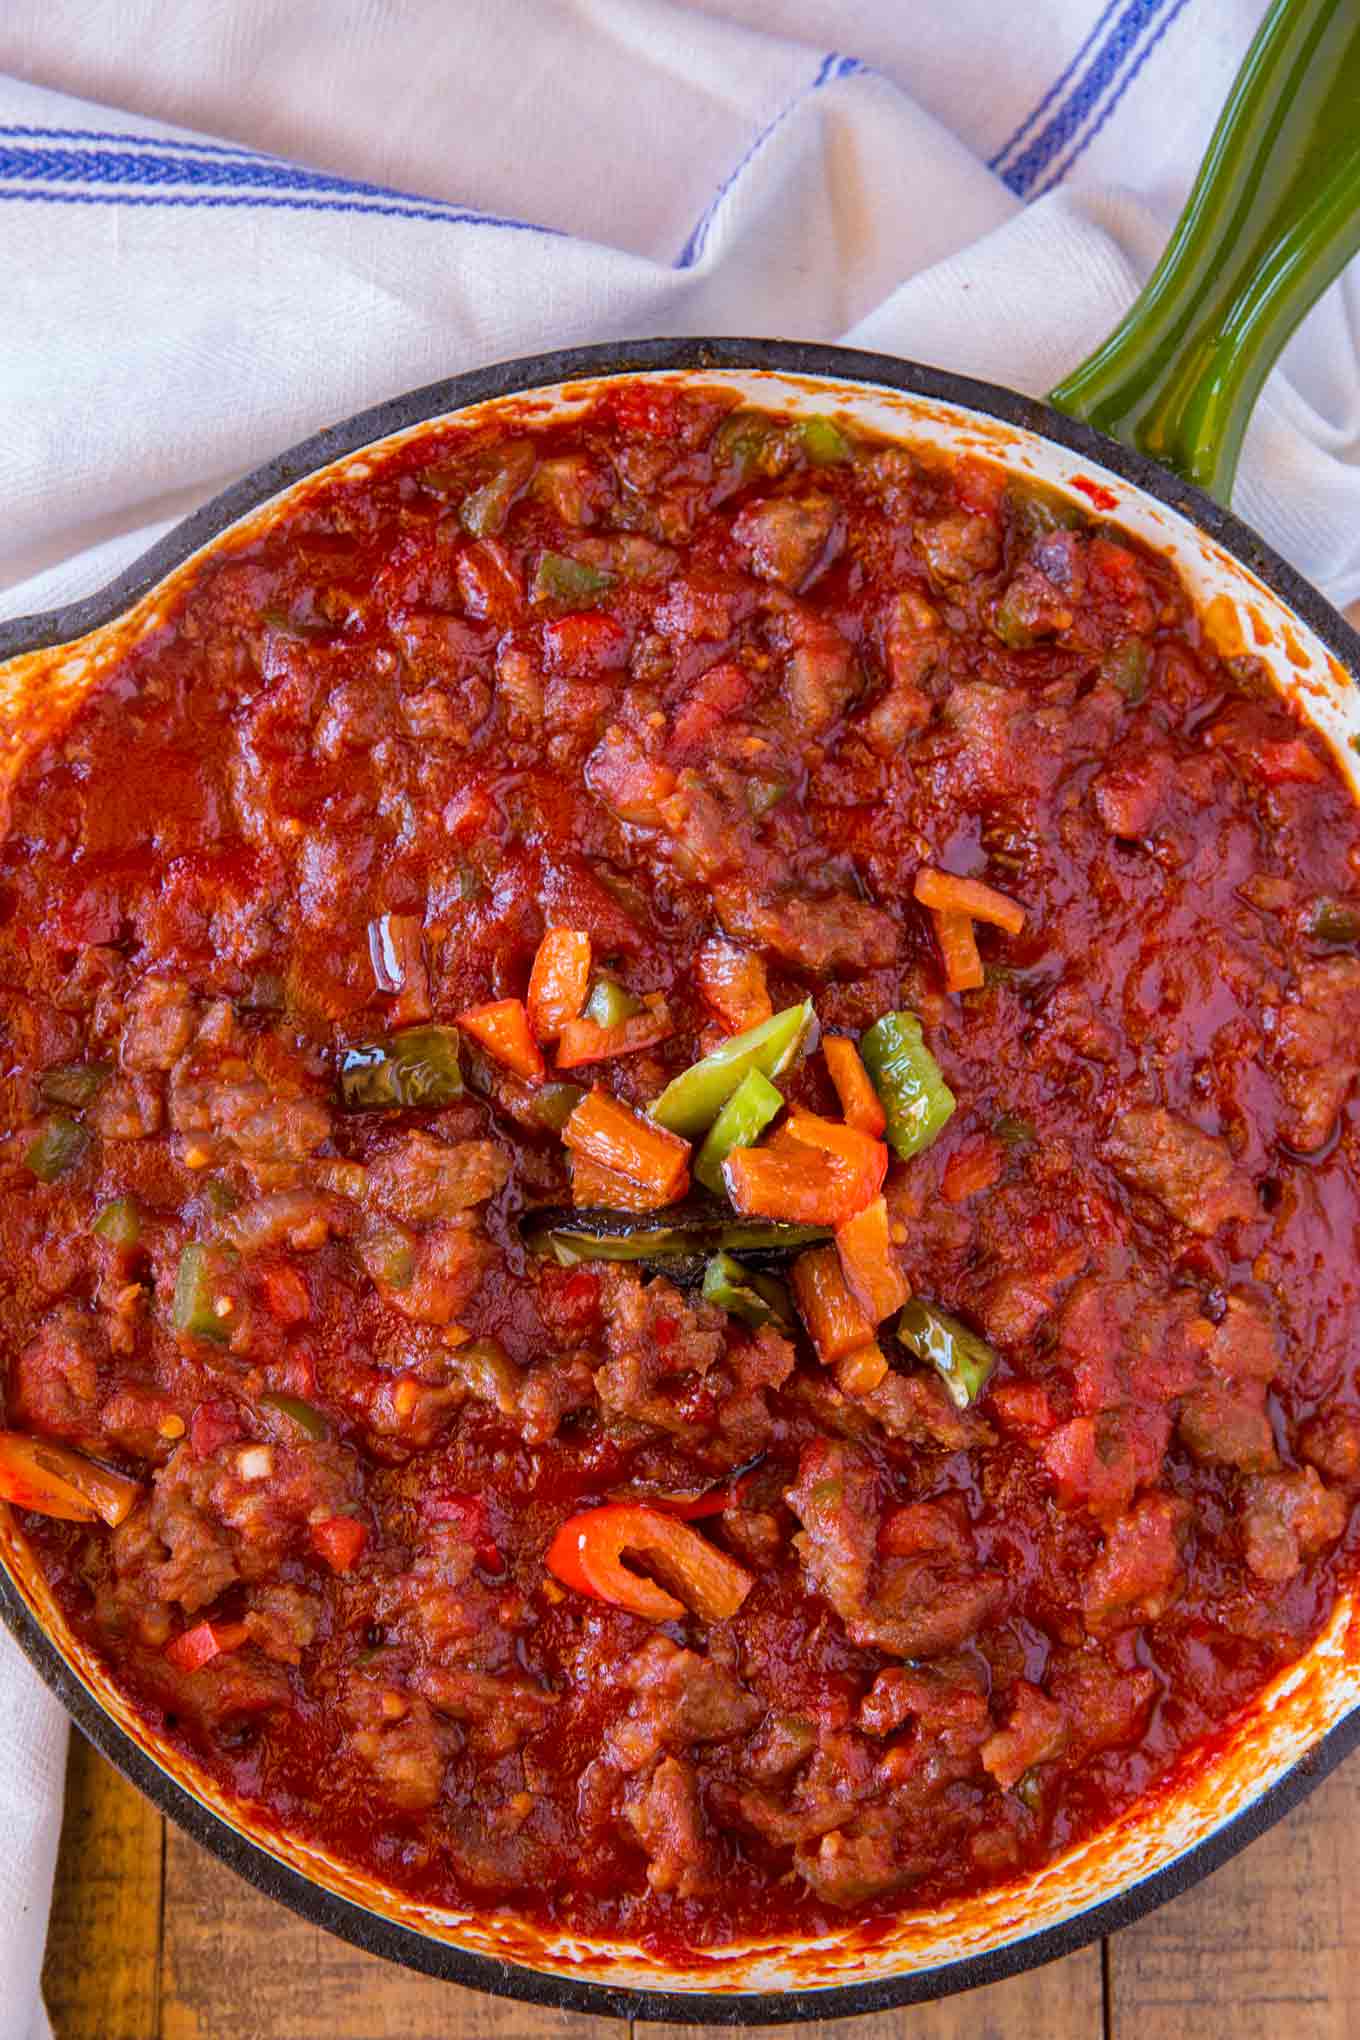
[153, 1939]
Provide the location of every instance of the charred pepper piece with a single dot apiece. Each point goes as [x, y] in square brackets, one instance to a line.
[417, 1067]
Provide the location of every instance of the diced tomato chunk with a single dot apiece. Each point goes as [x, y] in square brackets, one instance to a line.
[287, 1294]
[974, 1166]
[1022, 1406]
[584, 643]
[198, 1646]
[714, 696]
[340, 1540]
[213, 1425]
[1289, 761]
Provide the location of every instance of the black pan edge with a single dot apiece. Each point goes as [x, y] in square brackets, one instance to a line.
[354, 1923]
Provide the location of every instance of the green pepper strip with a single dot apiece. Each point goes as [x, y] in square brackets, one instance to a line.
[1126, 667]
[962, 1360]
[915, 1097]
[74, 1083]
[692, 1101]
[417, 1067]
[746, 1294]
[562, 579]
[198, 1288]
[308, 1419]
[57, 1148]
[744, 1117]
[120, 1223]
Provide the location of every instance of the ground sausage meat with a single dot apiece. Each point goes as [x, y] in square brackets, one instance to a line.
[690, 698]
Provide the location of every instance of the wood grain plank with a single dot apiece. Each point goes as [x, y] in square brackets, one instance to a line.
[1062, 2001]
[1270, 1943]
[101, 1975]
[237, 1964]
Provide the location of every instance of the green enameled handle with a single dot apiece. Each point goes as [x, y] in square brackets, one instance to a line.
[1273, 219]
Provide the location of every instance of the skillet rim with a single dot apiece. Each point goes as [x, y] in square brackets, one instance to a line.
[370, 1931]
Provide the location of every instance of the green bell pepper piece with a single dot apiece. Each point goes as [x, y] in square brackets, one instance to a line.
[914, 1096]
[1035, 509]
[484, 512]
[1126, 667]
[560, 578]
[752, 444]
[744, 1117]
[308, 1419]
[692, 1101]
[747, 1294]
[417, 1067]
[610, 1003]
[74, 1083]
[962, 1360]
[57, 1148]
[120, 1223]
[823, 441]
[388, 1257]
[1334, 921]
[203, 1282]
[555, 1103]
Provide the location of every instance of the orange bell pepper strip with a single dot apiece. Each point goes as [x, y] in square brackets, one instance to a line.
[54, 1481]
[587, 1554]
[613, 1136]
[859, 1100]
[558, 982]
[593, 1187]
[860, 1161]
[783, 1183]
[586, 1040]
[732, 982]
[196, 1647]
[963, 971]
[836, 1322]
[946, 894]
[864, 1245]
[503, 1030]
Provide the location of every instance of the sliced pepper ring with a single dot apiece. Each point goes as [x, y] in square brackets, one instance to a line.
[587, 1553]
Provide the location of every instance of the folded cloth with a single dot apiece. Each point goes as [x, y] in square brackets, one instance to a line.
[226, 226]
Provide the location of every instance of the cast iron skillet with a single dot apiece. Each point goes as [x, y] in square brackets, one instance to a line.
[1273, 218]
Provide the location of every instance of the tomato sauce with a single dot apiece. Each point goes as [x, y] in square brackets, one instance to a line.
[708, 689]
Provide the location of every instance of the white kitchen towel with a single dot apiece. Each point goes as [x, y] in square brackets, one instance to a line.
[224, 226]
